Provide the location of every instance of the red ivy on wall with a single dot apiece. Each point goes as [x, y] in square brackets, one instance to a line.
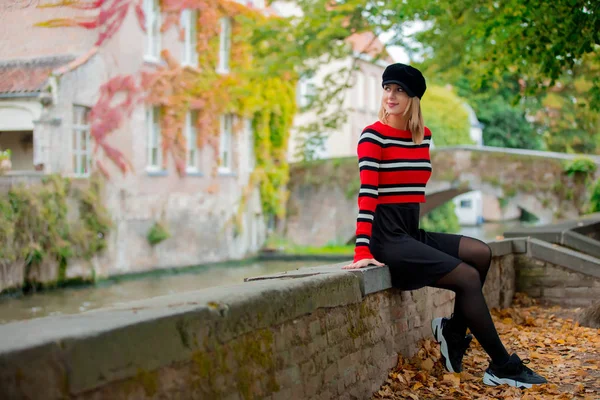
[111, 14]
[106, 117]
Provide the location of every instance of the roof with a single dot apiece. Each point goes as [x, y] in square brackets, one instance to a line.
[368, 43]
[28, 76]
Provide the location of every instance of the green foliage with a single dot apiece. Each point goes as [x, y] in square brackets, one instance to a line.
[505, 125]
[157, 233]
[35, 226]
[445, 114]
[580, 165]
[441, 219]
[595, 197]
[509, 48]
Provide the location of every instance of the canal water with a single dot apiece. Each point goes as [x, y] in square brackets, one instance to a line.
[117, 290]
[105, 293]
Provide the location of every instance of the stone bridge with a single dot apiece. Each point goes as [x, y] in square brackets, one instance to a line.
[322, 203]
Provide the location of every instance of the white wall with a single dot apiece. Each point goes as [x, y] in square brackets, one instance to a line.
[469, 208]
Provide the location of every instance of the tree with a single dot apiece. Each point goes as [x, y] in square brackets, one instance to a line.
[445, 114]
[535, 42]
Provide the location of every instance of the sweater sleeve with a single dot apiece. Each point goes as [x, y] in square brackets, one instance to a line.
[369, 156]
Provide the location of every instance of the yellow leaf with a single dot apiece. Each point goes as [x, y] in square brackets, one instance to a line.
[417, 386]
[427, 365]
[453, 379]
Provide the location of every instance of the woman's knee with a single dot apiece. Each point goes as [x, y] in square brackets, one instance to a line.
[470, 277]
[475, 252]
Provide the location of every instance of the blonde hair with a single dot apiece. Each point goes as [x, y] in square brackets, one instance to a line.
[416, 126]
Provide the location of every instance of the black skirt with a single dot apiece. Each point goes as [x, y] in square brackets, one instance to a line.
[416, 258]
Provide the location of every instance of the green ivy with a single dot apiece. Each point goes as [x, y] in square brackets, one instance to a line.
[595, 197]
[580, 165]
[157, 233]
[35, 226]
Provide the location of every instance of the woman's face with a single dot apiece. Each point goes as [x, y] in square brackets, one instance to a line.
[394, 99]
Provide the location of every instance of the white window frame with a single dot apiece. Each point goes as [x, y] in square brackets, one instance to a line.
[189, 23]
[191, 140]
[224, 45]
[81, 138]
[226, 144]
[306, 91]
[153, 139]
[251, 153]
[153, 34]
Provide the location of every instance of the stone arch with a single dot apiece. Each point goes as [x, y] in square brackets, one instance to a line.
[18, 115]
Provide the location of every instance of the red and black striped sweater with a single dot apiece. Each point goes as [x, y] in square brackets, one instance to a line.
[393, 169]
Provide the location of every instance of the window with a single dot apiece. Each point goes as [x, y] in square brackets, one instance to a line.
[306, 92]
[251, 153]
[466, 204]
[224, 45]
[152, 12]
[225, 143]
[154, 139]
[373, 97]
[191, 139]
[360, 90]
[189, 22]
[81, 141]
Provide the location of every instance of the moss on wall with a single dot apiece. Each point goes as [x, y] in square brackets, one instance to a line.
[36, 228]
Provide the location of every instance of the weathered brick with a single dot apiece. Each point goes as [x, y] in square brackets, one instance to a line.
[350, 376]
[331, 373]
[314, 328]
[288, 377]
[414, 322]
[293, 392]
[401, 326]
[326, 395]
[337, 335]
[313, 385]
[334, 319]
[308, 368]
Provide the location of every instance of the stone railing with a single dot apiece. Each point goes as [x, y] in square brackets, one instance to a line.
[313, 333]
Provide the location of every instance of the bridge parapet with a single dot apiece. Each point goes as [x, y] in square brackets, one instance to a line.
[322, 203]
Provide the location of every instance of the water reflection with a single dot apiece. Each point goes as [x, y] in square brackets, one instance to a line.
[492, 230]
[75, 300]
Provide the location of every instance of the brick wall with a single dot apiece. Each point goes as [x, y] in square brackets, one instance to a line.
[339, 352]
[555, 284]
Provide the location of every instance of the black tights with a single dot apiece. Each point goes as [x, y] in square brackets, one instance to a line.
[470, 308]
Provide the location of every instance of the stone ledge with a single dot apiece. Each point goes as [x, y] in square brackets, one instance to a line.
[376, 279]
[105, 345]
[371, 279]
[564, 257]
[582, 243]
[508, 246]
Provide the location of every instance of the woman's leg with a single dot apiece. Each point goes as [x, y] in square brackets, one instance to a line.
[474, 253]
[470, 304]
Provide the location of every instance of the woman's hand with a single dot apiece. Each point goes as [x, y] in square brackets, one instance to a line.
[363, 263]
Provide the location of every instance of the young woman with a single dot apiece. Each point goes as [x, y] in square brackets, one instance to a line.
[394, 164]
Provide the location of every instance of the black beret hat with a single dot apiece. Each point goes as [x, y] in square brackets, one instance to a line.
[409, 78]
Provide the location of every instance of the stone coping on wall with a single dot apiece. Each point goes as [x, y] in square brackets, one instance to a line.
[520, 152]
[104, 345]
[570, 233]
[376, 279]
